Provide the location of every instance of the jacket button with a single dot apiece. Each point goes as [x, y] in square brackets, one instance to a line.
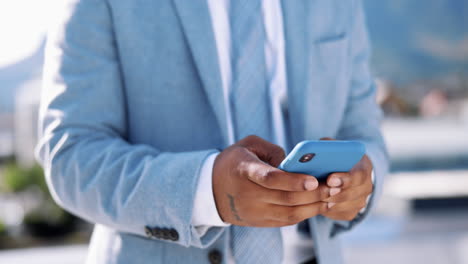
[157, 233]
[166, 234]
[173, 235]
[215, 256]
[148, 231]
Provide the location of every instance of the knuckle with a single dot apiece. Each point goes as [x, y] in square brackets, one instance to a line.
[263, 181]
[324, 193]
[249, 140]
[288, 198]
[267, 178]
[270, 174]
[261, 177]
[294, 216]
[236, 151]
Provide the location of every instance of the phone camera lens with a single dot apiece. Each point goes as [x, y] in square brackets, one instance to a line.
[307, 157]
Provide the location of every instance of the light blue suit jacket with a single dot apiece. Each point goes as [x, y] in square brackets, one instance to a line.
[132, 105]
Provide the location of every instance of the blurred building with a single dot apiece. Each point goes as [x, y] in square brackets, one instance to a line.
[20, 84]
[6, 135]
[26, 121]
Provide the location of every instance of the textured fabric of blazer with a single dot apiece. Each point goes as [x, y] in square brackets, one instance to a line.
[132, 105]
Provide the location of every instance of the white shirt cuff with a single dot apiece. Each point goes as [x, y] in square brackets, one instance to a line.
[205, 214]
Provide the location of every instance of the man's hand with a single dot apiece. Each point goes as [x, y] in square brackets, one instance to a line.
[250, 191]
[349, 191]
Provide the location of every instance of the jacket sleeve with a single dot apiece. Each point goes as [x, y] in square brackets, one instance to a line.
[91, 170]
[363, 116]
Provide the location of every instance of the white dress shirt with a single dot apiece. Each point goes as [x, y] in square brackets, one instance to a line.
[297, 248]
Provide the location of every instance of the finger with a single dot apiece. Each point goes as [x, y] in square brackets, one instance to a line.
[273, 178]
[296, 214]
[339, 180]
[276, 179]
[349, 206]
[287, 198]
[340, 216]
[346, 180]
[345, 211]
[327, 138]
[349, 194]
[364, 164]
[358, 175]
[265, 150]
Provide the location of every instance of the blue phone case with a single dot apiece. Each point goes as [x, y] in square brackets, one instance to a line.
[328, 157]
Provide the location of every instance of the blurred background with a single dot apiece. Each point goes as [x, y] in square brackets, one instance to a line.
[421, 65]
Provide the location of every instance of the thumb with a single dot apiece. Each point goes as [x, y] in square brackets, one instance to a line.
[264, 150]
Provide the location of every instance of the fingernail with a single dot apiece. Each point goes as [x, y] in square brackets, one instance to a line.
[334, 191]
[335, 182]
[330, 205]
[310, 185]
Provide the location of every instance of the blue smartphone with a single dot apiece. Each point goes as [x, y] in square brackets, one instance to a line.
[319, 158]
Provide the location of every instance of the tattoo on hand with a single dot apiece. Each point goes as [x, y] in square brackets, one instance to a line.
[233, 207]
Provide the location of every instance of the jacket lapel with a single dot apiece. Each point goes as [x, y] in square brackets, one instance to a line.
[196, 22]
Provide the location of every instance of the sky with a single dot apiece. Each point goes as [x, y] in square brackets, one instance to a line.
[22, 27]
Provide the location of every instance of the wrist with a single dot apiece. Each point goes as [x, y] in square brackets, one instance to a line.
[205, 212]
